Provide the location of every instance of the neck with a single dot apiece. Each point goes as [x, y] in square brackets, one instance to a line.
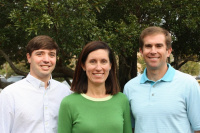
[96, 91]
[156, 74]
[45, 82]
[43, 79]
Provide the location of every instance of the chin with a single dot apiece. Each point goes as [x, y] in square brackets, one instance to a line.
[99, 82]
[152, 66]
[46, 74]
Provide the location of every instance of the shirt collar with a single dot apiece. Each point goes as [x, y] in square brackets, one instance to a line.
[167, 77]
[36, 83]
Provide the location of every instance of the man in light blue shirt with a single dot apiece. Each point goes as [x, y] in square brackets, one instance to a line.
[162, 99]
[32, 104]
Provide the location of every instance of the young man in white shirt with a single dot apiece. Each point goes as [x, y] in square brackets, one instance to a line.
[32, 104]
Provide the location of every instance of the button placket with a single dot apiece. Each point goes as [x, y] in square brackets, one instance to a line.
[45, 107]
[151, 93]
[46, 110]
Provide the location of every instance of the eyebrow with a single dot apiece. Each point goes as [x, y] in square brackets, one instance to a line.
[155, 44]
[159, 44]
[41, 51]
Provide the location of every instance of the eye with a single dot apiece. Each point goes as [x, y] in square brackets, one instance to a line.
[104, 61]
[52, 54]
[159, 45]
[147, 46]
[92, 61]
[38, 53]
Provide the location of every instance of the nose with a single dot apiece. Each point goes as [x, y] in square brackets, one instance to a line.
[46, 58]
[98, 66]
[153, 49]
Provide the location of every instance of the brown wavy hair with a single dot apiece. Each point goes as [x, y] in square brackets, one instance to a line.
[41, 42]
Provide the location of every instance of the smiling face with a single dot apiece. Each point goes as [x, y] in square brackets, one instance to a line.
[97, 66]
[155, 51]
[42, 63]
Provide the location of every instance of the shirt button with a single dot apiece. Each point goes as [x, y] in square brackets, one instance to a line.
[152, 94]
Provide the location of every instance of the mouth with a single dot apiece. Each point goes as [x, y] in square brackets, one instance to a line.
[98, 74]
[45, 67]
[153, 58]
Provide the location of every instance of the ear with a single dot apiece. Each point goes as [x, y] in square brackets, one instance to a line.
[141, 52]
[83, 67]
[28, 57]
[169, 51]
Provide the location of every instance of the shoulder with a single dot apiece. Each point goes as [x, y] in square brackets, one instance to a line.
[57, 83]
[133, 82]
[186, 82]
[119, 100]
[183, 77]
[60, 86]
[15, 87]
[120, 96]
[71, 98]
[71, 101]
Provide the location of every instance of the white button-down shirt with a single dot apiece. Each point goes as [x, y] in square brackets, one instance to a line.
[27, 107]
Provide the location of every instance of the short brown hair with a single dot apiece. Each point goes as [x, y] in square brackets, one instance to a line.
[155, 30]
[41, 42]
[80, 79]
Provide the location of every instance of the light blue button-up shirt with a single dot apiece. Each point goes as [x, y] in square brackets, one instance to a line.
[27, 107]
[169, 105]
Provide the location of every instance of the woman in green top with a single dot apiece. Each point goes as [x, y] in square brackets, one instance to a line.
[96, 106]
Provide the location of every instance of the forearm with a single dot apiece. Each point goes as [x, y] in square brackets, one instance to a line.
[196, 131]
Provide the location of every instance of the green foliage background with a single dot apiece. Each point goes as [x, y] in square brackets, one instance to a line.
[74, 23]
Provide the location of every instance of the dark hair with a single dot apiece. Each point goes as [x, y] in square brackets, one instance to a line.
[155, 30]
[80, 79]
[41, 42]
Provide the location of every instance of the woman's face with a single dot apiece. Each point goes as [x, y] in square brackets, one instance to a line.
[97, 66]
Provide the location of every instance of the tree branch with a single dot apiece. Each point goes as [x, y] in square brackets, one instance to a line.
[16, 70]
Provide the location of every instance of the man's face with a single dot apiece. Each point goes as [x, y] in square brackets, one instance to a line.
[42, 63]
[155, 51]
